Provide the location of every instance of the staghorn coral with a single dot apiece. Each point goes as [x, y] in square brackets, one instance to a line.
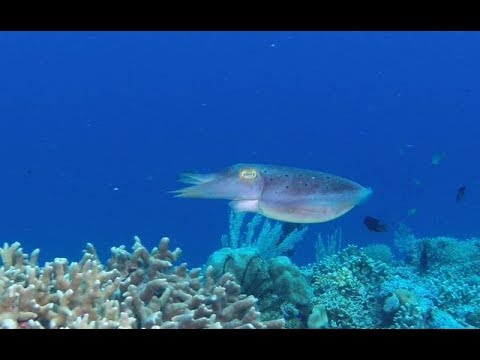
[141, 289]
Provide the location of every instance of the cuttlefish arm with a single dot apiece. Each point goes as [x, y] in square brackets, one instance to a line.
[204, 186]
[195, 179]
[228, 184]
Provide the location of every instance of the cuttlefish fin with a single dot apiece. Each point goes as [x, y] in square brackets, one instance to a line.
[244, 205]
[304, 212]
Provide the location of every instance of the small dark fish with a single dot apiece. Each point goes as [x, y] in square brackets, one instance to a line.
[461, 193]
[374, 224]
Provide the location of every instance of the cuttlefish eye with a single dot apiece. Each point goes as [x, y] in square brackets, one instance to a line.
[248, 174]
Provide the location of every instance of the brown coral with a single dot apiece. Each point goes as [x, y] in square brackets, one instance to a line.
[141, 289]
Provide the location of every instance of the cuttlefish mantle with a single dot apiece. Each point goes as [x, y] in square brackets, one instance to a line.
[278, 192]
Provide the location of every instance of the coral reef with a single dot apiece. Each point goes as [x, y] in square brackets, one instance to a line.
[435, 283]
[141, 289]
[255, 258]
[273, 239]
[379, 252]
[346, 284]
[276, 282]
[329, 245]
[436, 286]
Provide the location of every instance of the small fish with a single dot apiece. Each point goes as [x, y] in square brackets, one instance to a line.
[374, 224]
[278, 192]
[461, 193]
[404, 147]
[437, 158]
[411, 211]
[416, 181]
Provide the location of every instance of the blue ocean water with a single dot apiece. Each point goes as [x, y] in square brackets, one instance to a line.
[96, 126]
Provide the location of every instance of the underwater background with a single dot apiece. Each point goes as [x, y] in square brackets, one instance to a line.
[86, 113]
[96, 127]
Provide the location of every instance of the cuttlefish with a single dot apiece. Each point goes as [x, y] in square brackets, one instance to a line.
[278, 192]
